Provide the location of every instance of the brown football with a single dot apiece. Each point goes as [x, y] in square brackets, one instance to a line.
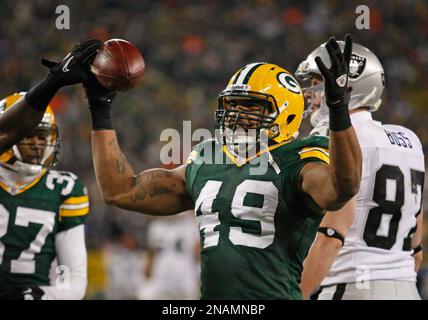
[118, 65]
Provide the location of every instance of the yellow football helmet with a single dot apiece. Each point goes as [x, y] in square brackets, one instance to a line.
[45, 154]
[268, 86]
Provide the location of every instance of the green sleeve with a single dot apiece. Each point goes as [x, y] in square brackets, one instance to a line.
[74, 209]
[308, 150]
[311, 149]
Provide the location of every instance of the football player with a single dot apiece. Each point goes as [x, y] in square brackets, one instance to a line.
[255, 229]
[376, 255]
[172, 242]
[29, 110]
[42, 213]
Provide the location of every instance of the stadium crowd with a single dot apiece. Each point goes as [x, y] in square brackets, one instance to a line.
[191, 50]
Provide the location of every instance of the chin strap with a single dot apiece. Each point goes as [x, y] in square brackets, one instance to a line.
[19, 175]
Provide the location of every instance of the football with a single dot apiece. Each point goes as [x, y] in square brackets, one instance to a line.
[118, 65]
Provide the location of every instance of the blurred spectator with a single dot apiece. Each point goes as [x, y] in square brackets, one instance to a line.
[124, 265]
[172, 266]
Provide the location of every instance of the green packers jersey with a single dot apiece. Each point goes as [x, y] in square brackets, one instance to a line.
[29, 221]
[255, 227]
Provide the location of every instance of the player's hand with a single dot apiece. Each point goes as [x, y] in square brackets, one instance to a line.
[99, 100]
[28, 293]
[336, 78]
[95, 92]
[72, 69]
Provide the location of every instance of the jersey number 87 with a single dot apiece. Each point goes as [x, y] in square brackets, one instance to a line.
[390, 207]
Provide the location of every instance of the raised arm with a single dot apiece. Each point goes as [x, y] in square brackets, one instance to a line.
[19, 120]
[331, 186]
[155, 191]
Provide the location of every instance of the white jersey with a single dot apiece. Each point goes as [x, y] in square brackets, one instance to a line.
[378, 245]
[175, 268]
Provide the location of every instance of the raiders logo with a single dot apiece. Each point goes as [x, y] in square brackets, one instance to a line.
[356, 66]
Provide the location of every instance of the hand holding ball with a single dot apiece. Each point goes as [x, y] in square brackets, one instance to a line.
[118, 65]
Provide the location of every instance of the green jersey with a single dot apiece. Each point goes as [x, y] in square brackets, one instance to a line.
[29, 221]
[255, 227]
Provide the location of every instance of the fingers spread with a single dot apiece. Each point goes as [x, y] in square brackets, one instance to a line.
[48, 63]
[88, 49]
[348, 49]
[322, 68]
[89, 43]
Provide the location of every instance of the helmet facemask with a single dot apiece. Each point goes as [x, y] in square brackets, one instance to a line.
[37, 151]
[366, 78]
[243, 121]
[39, 147]
[268, 111]
[313, 92]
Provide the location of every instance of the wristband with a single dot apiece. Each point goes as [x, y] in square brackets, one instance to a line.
[339, 118]
[331, 233]
[39, 96]
[417, 249]
[100, 114]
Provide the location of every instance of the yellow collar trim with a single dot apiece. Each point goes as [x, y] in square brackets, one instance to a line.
[28, 186]
[240, 163]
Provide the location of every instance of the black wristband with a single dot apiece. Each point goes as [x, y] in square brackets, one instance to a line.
[100, 114]
[339, 118]
[417, 249]
[331, 233]
[39, 96]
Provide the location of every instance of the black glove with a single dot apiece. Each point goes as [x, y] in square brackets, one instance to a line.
[99, 100]
[336, 88]
[72, 69]
[19, 293]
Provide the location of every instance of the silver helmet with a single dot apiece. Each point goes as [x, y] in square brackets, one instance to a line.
[366, 77]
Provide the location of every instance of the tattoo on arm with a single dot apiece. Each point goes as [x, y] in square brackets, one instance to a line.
[120, 166]
[158, 189]
[113, 142]
[136, 181]
[138, 197]
[121, 162]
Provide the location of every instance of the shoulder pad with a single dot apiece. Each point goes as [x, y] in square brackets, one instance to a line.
[315, 147]
[208, 145]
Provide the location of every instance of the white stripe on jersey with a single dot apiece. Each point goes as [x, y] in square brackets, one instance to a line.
[74, 206]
